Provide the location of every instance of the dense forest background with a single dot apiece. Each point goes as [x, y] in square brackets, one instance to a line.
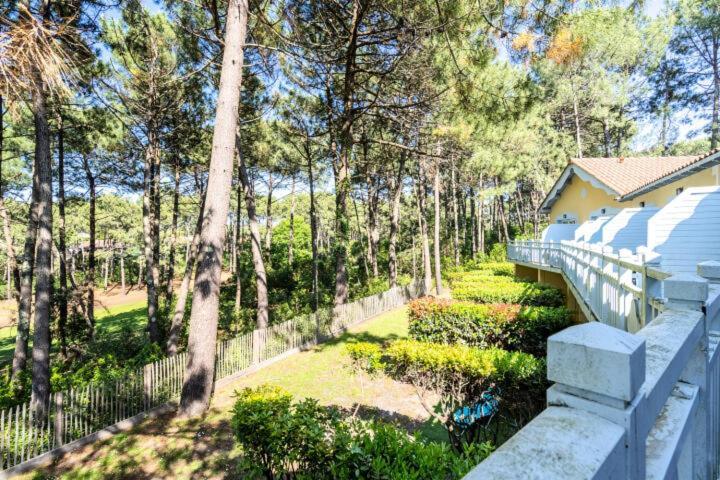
[375, 142]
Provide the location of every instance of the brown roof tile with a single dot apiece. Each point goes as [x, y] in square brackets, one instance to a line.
[627, 174]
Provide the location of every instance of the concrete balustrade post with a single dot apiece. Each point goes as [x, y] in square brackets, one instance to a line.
[685, 291]
[710, 270]
[600, 369]
[690, 292]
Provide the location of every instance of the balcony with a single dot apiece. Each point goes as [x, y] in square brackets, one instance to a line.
[636, 390]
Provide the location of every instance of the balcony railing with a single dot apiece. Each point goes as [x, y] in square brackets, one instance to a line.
[624, 405]
[622, 289]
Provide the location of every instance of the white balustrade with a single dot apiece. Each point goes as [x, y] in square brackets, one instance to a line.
[611, 286]
[626, 405]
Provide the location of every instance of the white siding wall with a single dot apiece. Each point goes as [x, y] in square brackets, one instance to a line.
[591, 231]
[627, 229]
[686, 231]
[558, 231]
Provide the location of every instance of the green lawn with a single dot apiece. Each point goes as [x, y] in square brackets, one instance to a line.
[171, 448]
[109, 322]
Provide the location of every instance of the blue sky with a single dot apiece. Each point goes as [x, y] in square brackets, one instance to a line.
[647, 129]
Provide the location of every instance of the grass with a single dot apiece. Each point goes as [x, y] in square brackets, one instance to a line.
[204, 448]
[109, 321]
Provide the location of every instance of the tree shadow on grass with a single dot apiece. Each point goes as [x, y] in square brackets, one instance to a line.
[161, 448]
[429, 429]
[357, 337]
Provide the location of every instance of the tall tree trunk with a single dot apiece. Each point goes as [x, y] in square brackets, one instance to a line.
[156, 223]
[182, 295]
[519, 210]
[606, 137]
[481, 220]
[372, 214]
[26, 280]
[473, 225]
[90, 274]
[463, 220]
[149, 245]
[456, 220]
[268, 219]
[62, 241]
[13, 286]
[422, 222]
[360, 236]
[503, 218]
[291, 233]
[173, 235]
[263, 313]
[237, 251]
[414, 259]
[342, 162]
[106, 270]
[436, 245]
[40, 395]
[396, 197]
[313, 227]
[122, 269]
[576, 117]
[199, 374]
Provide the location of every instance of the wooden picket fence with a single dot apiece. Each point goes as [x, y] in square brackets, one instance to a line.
[79, 412]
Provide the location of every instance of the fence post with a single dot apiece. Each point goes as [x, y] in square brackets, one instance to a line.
[59, 420]
[689, 292]
[256, 347]
[147, 386]
[600, 369]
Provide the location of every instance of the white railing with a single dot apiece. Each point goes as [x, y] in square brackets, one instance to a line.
[75, 415]
[624, 405]
[622, 289]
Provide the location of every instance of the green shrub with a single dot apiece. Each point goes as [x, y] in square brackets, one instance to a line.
[365, 356]
[306, 441]
[480, 268]
[382, 451]
[498, 253]
[502, 289]
[459, 374]
[507, 326]
[278, 437]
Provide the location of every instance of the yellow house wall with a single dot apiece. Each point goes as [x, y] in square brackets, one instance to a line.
[580, 199]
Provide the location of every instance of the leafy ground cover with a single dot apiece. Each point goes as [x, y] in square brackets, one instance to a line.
[173, 448]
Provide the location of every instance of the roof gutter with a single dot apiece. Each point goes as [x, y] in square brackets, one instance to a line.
[709, 161]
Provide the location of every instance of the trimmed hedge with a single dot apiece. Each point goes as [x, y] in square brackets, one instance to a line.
[508, 326]
[502, 289]
[460, 373]
[480, 269]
